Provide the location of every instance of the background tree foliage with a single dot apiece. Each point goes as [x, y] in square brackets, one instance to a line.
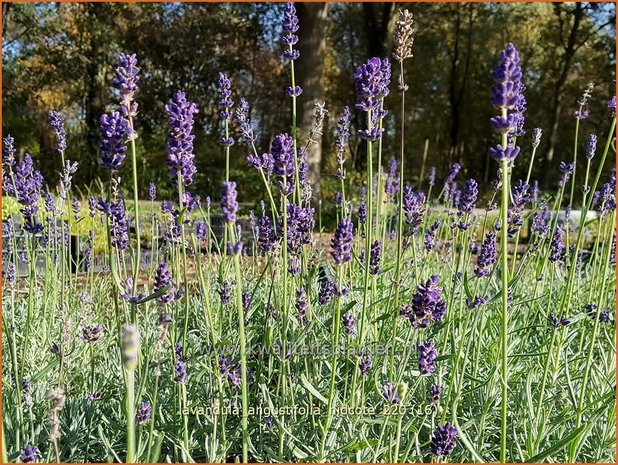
[60, 56]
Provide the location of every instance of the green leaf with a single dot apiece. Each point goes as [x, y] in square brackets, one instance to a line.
[305, 382]
[558, 446]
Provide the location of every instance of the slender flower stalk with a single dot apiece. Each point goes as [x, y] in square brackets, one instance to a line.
[126, 77]
[506, 97]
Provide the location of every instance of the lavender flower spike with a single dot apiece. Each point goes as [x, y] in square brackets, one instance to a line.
[126, 76]
[114, 132]
[179, 138]
[290, 27]
[56, 121]
[229, 205]
[341, 243]
[443, 440]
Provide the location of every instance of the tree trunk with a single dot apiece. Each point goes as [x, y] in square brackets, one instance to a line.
[309, 75]
[567, 60]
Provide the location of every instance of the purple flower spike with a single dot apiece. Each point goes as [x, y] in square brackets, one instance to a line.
[390, 393]
[282, 150]
[443, 440]
[29, 454]
[364, 365]
[349, 323]
[591, 146]
[225, 102]
[229, 205]
[426, 357]
[341, 243]
[290, 27]
[243, 122]
[8, 150]
[488, 255]
[557, 247]
[374, 258]
[114, 133]
[163, 278]
[434, 394]
[179, 139]
[413, 208]
[428, 306]
[56, 121]
[126, 77]
[144, 412]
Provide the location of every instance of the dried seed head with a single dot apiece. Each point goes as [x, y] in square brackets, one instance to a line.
[57, 399]
[130, 347]
[404, 36]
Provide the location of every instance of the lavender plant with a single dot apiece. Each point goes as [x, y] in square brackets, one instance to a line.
[254, 338]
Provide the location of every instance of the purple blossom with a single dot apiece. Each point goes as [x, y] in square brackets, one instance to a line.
[91, 333]
[591, 146]
[390, 393]
[225, 102]
[507, 96]
[8, 150]
[374, 258]
[443, 440]
[56, 121]
[144, 412]
[27, 189]
[163, 279]
[328, 290]
[430, 235]
[243, 122]
[126, 77]
[364, 365]
[224, 294]
[428, 306]
[557, 247]
[341, 243]
[302, 304]
[179, 138]
[521, 198]
[29, 454]
[349, 323]
[426, 357]
[488, 255]
[362, 213]
[267, 240]
[114, 131]
[229, 205]
[290, 27]
[282, 150]
[434, 394]
[431, 178]
[372, 81]
[413, 208]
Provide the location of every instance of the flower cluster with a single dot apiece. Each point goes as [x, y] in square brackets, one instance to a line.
[521, 198]
[413, 209]
[427, 355]
[443, 440]
[427, 306]
[114, 132]
[372, 81]
[126, 77]
[341, 243]
[56, 121]
[488, 255]
[180, 140]
[507, 96]
[27, 188]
